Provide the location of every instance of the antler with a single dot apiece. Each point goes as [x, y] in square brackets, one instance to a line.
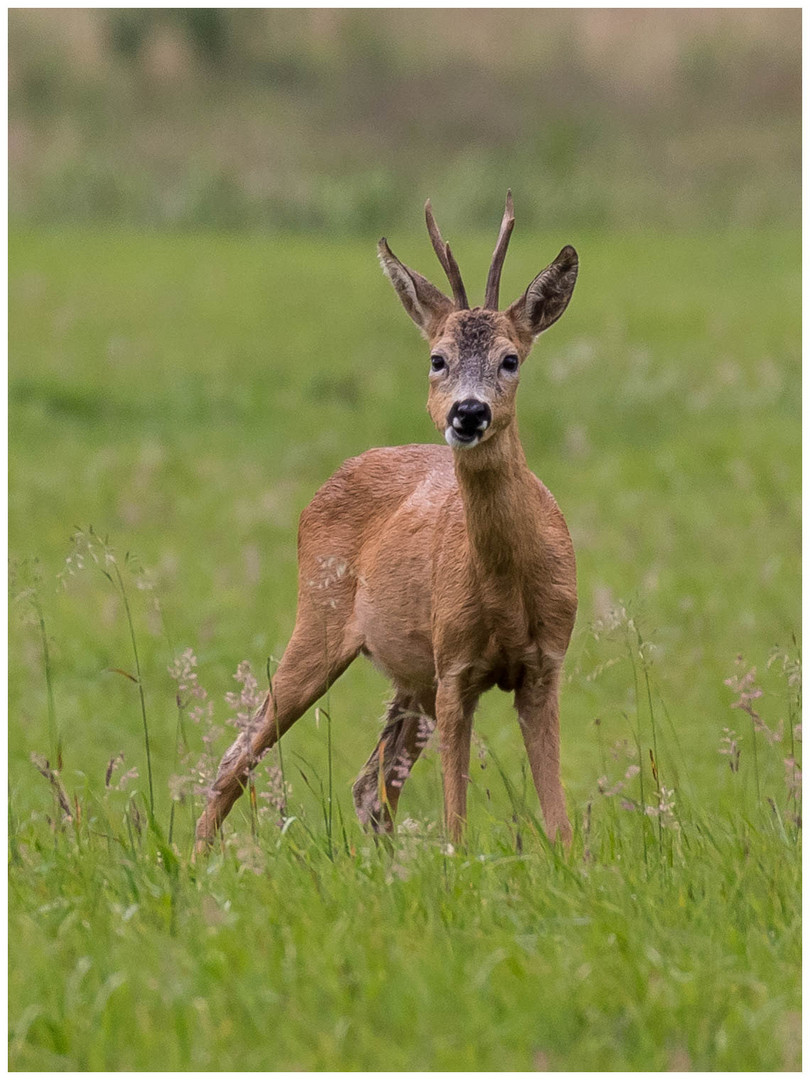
[445, 256]
[499, 254]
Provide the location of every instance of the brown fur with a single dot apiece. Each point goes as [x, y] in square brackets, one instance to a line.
[452, 569]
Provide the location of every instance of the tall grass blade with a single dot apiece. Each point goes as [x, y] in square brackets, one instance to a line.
[125, 598]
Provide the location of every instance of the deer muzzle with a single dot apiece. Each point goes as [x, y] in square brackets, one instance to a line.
[466, 422]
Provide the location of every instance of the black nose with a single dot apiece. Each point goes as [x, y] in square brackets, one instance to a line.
[470, 416]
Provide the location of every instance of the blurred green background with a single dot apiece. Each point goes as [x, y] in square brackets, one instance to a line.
[345, 120]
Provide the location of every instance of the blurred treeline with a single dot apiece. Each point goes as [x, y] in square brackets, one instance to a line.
[345, 119]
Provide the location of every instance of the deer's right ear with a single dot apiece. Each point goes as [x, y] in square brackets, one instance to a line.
[425, 304]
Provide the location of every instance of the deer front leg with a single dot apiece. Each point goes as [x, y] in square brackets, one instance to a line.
[378, 787]
[454, 713]
[537, 704]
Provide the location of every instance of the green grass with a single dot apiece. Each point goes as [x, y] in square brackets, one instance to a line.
[185, 395]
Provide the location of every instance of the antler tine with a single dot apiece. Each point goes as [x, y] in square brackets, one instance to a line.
[445, 257]
[499, 254]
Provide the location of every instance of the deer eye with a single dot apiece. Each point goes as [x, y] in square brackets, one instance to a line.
[437, 363]
[510, 364]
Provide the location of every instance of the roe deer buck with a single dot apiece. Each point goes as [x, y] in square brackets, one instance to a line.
[451, 568]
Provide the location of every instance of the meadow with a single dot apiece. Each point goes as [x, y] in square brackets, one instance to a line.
[175, 400]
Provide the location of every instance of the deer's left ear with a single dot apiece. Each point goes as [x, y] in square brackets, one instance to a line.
[547, 297]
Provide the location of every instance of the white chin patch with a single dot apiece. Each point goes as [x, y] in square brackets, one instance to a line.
[452, 438]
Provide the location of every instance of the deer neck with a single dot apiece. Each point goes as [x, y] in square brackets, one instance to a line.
[499, 494]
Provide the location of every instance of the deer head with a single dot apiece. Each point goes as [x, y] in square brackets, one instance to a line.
[476, 353]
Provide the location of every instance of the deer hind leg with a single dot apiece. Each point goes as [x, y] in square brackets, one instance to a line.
[377, 789]
[537, 703]
[314, 658]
